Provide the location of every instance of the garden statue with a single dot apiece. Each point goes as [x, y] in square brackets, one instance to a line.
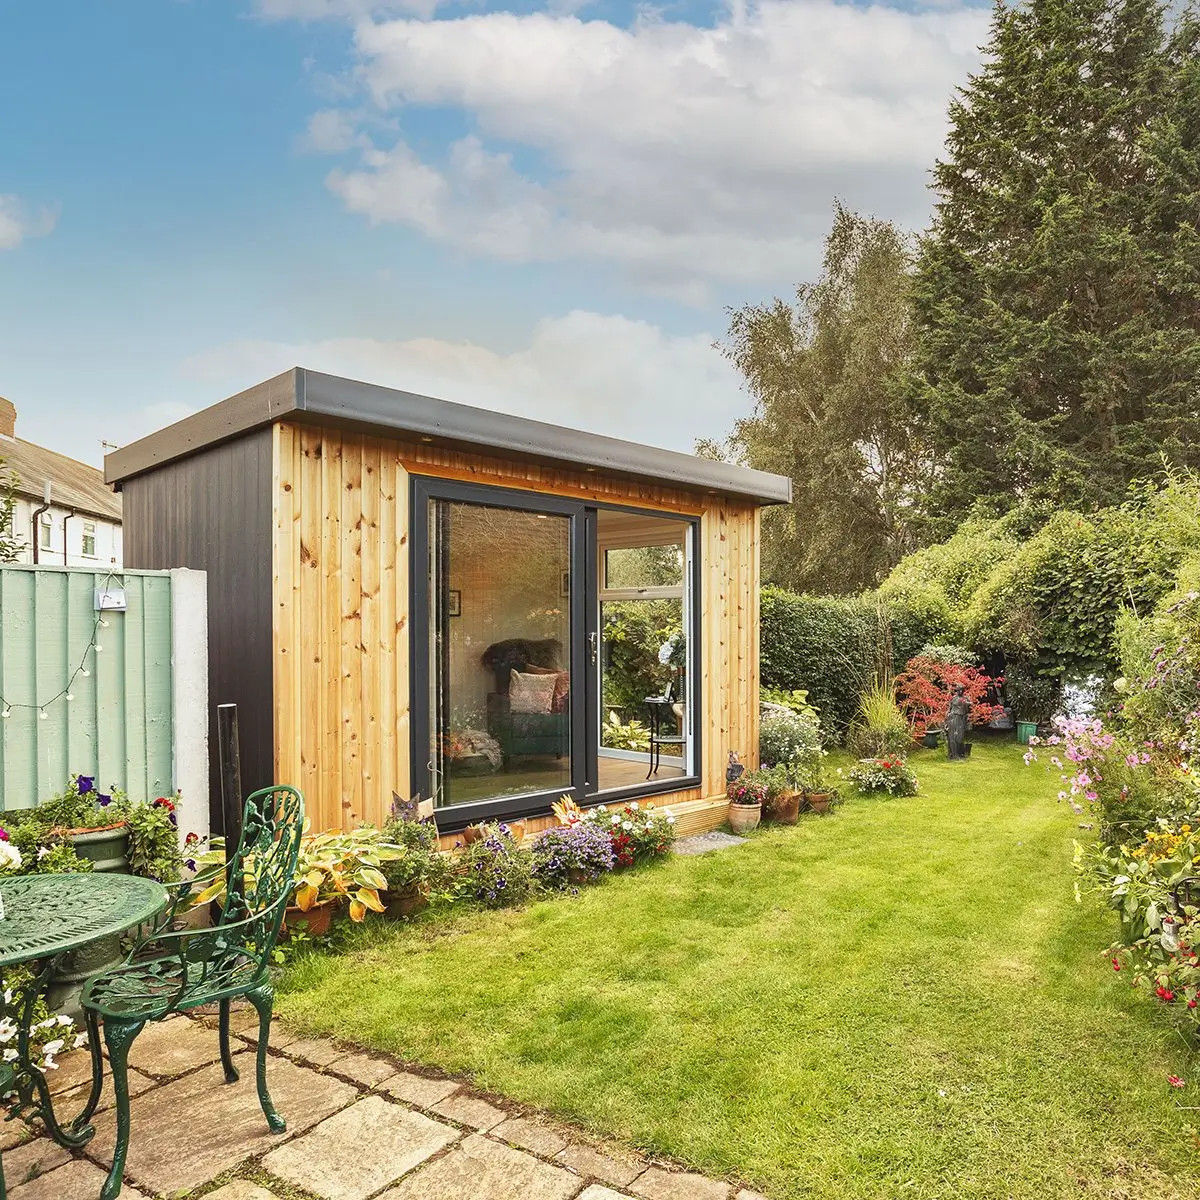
[956, 724]
[734, 769]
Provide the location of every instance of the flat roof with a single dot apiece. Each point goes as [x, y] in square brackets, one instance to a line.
[315, 398]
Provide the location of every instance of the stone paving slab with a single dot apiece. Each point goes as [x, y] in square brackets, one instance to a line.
[747, 1194]
[609, 1167]
[239, 1189]
[470, 1110]
[34, 1158]
[481, 1169]
[706, 843]
[169, 1048]
[318, 1051]
[657, 1184]
[193, 1129]
[599, 1192]
[531, 1133]
[358, 1151]
[364, 1068]
[420, 1089]
[78, 1180]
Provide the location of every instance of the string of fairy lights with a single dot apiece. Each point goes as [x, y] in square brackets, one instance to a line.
[8, 707]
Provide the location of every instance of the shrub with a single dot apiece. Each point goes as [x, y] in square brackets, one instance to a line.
[926, 686]
[948, 655]
[785, 736]
[568, 854]
[624, 735]
[892, 776]
[880, 727]
[499, 873]
[1032, 697]
[794, 698]
[421, 862]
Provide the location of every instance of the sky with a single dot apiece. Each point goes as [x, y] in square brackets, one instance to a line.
[544, 209]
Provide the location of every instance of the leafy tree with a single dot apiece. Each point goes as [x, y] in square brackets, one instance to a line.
[1057, 294]
[824, 373]
[10, 545]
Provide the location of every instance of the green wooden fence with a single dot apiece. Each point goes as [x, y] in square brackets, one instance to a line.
[83, 692]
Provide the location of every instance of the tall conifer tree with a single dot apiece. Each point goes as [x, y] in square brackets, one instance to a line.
[1058, 292]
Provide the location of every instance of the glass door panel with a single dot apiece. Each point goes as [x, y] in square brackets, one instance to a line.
[500, 651]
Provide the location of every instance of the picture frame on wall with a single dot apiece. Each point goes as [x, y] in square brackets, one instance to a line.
[454, 603]
[565, 585]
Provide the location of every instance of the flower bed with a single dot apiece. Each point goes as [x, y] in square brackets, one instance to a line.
[890, 776]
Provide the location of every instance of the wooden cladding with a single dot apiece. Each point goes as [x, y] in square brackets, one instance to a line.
[341, 597]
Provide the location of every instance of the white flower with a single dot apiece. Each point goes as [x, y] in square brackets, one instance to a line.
[602, 808]
[10, 1055]
[43, 852]
[8, 1030]
[633, 804]
[627, 825]
[616, 820]
[8, 995]
[670, 820]
[64, 1020]
[79, 1042]
[48, 1063]
[10, 857]
[53, 1047]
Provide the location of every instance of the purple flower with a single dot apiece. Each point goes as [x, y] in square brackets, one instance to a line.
[3, 835]
[190, 863]
[85, 784]
[103, 800]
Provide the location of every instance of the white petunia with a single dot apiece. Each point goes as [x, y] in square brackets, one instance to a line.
[10, 1055]
[79, 1042]
[633, 804]
[670, 820]
[10, 857]
[8, 1030]
[64, 1020]
[627, 825]
[54, 1047]
[616, 820]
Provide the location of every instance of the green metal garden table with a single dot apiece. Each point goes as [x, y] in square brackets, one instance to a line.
[45, 917]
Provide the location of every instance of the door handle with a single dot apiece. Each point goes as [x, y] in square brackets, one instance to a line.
[594, 643]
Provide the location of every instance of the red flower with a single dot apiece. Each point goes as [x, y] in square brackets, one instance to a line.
[1175, 1081]
[1116, 965]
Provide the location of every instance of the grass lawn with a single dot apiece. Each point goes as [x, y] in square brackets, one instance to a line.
[899, 1000]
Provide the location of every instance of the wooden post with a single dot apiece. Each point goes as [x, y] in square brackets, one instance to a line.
[231, 774]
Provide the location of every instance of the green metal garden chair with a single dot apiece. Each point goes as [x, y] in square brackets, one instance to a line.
[174, 971]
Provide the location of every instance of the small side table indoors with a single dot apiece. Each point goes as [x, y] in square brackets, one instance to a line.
[45, 917]
[660, 710]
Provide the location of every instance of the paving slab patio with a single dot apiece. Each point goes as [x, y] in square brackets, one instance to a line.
[706, 843]
[354, 1133]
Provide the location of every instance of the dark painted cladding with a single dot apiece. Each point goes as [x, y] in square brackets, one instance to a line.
[212, 512]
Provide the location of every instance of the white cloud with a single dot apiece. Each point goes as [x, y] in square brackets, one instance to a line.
[17, 222]
[605, 374]
[684, 154]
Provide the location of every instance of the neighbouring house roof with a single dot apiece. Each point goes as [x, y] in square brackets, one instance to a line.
[312, 397]
[72, 484]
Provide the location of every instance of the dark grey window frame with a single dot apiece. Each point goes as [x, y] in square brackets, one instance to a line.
[583, 619]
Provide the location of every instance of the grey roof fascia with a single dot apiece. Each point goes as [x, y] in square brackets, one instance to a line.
[312, 396]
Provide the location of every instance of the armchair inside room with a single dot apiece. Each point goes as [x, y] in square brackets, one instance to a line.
[528, 721]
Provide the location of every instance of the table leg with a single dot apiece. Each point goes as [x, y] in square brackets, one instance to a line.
[33, 1101]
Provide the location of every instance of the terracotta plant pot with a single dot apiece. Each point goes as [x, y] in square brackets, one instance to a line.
[744, 817]
[472, 833]
[517, 829]
[786, 808]
[819, 802]
[406, 901]
[315, 922]
[576, 877]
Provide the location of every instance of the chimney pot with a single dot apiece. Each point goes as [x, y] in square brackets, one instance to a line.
[8, 418]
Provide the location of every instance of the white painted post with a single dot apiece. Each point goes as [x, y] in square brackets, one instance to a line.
[189, 717]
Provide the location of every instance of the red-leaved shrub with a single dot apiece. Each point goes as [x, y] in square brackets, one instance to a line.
[924, 689]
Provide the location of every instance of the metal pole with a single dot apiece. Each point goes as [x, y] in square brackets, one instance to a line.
[231, 775]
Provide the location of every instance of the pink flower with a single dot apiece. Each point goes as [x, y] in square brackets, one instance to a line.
[1176, 1082]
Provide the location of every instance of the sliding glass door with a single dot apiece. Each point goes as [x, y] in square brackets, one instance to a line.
[553, 650]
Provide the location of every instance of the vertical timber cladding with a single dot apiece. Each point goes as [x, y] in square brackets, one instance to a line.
[340, 611]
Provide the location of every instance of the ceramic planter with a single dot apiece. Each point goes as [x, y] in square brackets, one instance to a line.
[785, 808]
[472, 833]
[930, 740]
[1025, 731]
[819, 802]
[744, 817]
[406, 901]
[106, 847]
[315, 922]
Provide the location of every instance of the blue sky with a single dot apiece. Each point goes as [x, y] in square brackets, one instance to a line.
[540, 209]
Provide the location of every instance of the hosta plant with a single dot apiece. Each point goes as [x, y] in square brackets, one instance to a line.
[890, 776]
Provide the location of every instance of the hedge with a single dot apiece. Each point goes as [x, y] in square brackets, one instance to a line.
[834, 645]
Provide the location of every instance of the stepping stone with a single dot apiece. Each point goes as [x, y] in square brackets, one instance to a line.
[33, 1159]
[470, 1110]
[747, 1194]
[706, 843]
[420, 1089]
[615, 1168]
[171, 1149]
[658, 1184]
[318, 1051]
[354, 1153]
[78, 1180]
[480, 1169]
[538, 1137]
[597, 1192]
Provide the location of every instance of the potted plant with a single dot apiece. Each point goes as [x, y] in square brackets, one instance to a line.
[471, 752]
[418, 873]
[747, 795]
[94, 823]
[572, 855]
